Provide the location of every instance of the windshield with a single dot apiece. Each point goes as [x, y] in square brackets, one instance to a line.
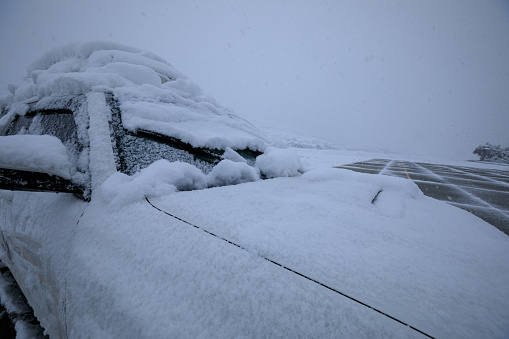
[134, 152]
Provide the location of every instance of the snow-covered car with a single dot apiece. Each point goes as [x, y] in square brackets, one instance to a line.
[131, 205]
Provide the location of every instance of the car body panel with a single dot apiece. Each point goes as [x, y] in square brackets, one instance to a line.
[37, 229]
[324, 226]
[239, 294]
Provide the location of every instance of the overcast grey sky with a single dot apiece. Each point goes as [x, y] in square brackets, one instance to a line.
[421, 77]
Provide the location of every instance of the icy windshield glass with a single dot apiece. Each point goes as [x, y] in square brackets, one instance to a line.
[58, 123]
[134, 152]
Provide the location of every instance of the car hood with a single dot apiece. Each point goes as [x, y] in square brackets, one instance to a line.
[375, 241]
[312, 255]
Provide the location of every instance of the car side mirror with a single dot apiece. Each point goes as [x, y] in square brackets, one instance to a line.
[35, 163]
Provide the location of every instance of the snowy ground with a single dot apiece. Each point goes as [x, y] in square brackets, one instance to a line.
[316, 152]
[337, 157]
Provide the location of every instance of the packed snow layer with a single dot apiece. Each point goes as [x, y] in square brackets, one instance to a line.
[429, 264]
[276, 162]
[161, 277]
[35, 153]
[199, 124]
[163, 177]
[160, 178]
[102, 163]
[229, 172]
[151, 94]
[230, 154]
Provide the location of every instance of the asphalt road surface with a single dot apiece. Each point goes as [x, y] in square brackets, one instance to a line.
[482, 192]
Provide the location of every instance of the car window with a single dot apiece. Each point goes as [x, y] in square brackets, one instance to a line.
[56, 123]
[61, 124]
[134, 152]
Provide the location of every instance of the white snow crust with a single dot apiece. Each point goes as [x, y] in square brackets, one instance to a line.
[151, 93]
[36, 153]
[160, 178]
[102, 163]
[230, 154]
[229, 172]
[277, 162]
[163, 177]
[430, 265]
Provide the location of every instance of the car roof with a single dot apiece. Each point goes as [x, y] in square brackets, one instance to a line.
[151, 93]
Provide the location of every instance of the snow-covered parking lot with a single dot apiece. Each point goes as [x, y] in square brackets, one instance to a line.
[482, 192]
[187, 221]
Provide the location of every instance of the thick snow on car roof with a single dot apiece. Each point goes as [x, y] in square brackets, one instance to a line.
[151, 93]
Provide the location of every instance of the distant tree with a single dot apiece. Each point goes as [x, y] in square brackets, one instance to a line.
[489, 152]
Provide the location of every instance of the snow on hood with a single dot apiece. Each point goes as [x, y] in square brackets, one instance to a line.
[151, 93]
